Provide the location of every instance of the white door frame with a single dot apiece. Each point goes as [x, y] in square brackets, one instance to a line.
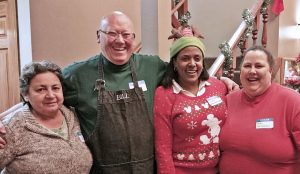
[24, 32]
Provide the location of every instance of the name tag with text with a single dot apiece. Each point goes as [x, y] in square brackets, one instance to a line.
[265, 123]
[214, 100]
[141, 83]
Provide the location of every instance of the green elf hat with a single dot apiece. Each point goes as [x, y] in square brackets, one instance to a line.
[183, 42]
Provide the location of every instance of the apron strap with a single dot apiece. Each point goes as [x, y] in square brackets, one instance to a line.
[100, 82]
[100, 86]
[133, 73]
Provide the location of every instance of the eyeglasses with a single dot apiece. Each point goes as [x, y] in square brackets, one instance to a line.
[114, 35]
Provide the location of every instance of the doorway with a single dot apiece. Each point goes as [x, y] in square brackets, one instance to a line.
[9, 55]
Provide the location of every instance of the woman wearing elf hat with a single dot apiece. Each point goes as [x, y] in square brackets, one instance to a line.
[189, 111]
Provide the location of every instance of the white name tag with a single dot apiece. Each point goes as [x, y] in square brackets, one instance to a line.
[265, 123]
[141, 83]
[214, 100]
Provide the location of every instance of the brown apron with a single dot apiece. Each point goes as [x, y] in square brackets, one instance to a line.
[122, 140]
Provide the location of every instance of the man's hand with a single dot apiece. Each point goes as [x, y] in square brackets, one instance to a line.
[2, 132]
[231, 85]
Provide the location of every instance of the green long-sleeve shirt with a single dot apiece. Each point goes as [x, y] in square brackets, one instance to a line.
[80, 78]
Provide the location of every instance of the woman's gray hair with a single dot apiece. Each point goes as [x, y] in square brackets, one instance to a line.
[35, 68]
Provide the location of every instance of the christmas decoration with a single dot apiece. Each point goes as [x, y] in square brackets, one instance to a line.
[185, 18]
[293, 79]
[226, 51]
[264, 6]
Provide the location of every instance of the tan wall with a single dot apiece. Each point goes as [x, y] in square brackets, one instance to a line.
[164, 29]
[289, 35]
[64, 31]
[156, 27]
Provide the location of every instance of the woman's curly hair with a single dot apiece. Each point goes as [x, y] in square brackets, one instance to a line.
[35, 68]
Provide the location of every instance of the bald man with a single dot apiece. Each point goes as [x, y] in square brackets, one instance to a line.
[113, 96]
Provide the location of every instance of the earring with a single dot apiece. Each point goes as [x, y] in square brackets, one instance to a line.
[25, 99]
[175, 69]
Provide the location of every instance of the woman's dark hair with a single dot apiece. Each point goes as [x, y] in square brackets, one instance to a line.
[172, 74]
[35, 68]
[270, 58]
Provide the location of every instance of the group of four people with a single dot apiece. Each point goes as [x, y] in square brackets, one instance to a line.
[114, 95]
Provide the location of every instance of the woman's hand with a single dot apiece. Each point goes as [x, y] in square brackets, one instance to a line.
[231, 85]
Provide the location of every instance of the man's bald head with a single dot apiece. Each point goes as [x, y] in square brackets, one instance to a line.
[115, 15]
[116, 37]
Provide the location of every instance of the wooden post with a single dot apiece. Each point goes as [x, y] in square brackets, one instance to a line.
[264, 38]
[255, 30]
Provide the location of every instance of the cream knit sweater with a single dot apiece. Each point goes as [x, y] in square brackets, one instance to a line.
[32, 148]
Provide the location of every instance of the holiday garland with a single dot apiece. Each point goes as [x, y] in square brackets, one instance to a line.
[185, 18]
[226, 51]
[225, 47]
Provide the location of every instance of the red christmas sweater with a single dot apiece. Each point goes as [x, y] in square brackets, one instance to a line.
[187, 129]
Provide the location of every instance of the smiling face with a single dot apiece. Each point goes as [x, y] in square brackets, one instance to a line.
[117, 50]
[45, 95]
[255, 73]
[189, 66]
